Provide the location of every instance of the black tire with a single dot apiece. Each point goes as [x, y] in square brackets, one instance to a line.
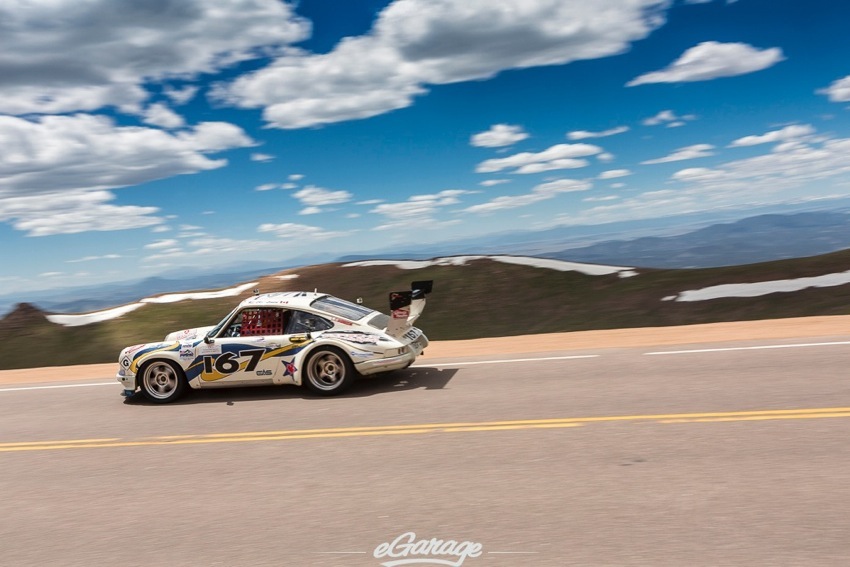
[328, 371]
[162, 381]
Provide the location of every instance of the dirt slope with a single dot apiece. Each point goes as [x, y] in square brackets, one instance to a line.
[805, 327]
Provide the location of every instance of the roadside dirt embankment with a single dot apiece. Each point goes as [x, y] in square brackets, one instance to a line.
[804, 327]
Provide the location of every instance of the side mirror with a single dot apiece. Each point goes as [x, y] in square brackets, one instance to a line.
[208, 340]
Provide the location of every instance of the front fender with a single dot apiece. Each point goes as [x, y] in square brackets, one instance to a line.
[169, 351]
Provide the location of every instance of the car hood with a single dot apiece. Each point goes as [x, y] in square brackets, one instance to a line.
[189, 334]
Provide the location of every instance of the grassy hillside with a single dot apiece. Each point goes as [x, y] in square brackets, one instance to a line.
[481, 299]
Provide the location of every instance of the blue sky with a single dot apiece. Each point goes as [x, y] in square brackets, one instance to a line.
[144, 137]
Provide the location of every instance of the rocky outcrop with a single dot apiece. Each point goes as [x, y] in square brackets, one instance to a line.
[22, 320]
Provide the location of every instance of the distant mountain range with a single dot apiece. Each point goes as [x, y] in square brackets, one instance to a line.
[756, 239]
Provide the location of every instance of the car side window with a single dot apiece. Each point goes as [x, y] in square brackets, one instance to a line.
[303, 322]
[258, 322]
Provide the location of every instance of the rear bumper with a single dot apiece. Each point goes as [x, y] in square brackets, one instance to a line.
[377, 365]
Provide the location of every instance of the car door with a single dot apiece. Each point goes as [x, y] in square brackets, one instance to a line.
[244, 352]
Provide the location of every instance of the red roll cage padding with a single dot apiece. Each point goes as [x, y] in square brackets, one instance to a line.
[262, 322]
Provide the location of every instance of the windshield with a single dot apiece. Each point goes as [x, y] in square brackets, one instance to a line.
[217, 329]
[341, 308]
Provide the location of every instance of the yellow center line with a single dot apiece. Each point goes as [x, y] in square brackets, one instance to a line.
[418, 429]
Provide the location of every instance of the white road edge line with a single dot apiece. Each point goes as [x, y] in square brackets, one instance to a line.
[57, 386]
[505, 361]
[762, 347]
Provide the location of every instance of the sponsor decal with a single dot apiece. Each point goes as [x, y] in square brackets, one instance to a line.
[289, 368]
[264, 373]
[361, 354]
[187, 351]
[401, 313]
[356, 337]
[134, 349]
[407, 550]
[208, 349]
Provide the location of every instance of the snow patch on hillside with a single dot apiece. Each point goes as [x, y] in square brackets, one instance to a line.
[560, 265]
[96, 317]
[761, 288]
[107, 314]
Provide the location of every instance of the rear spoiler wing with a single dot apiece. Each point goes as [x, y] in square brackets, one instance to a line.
[407, 306]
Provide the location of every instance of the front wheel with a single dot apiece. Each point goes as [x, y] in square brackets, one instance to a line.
[328, 371]
[162, 381]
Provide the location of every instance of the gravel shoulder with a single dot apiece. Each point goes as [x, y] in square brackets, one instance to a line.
[804, 327]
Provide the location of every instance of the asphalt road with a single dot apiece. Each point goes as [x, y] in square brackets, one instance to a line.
[592, 457]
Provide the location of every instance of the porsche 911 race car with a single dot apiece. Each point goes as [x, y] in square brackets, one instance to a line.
[302, 338]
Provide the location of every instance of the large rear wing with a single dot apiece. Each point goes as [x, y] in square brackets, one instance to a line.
[407, 306]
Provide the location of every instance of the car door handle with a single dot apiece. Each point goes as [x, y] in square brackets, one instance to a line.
[298, 339]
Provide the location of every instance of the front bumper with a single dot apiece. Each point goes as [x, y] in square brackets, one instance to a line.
[127, 379]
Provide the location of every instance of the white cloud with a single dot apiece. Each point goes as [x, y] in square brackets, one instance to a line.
[690, 152]
[260, 157]
[416, 43]
[712, 60]
[70, 161]
[584, 134]
[301, 232]
[541, 192]
[83, 152]
[614, 173]
[296, 177]
[696, 174]
[266, 187]
[600, 199]
[499, 135]
[73, 212]
[493, 182]
[94, 258]
[668, 118]
[789, 133]
[162, 244]
[838, 91]
[63, 56]
[313, 196]
[160, 115]
[559, 156]
[193, 250]
[419, 210]
[180, 95]
[806, 172]
[310, 211]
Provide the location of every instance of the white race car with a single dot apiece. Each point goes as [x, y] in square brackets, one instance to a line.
[300, 338]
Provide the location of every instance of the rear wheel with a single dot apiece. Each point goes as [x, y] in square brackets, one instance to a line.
[328, 371]
[162, 381]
